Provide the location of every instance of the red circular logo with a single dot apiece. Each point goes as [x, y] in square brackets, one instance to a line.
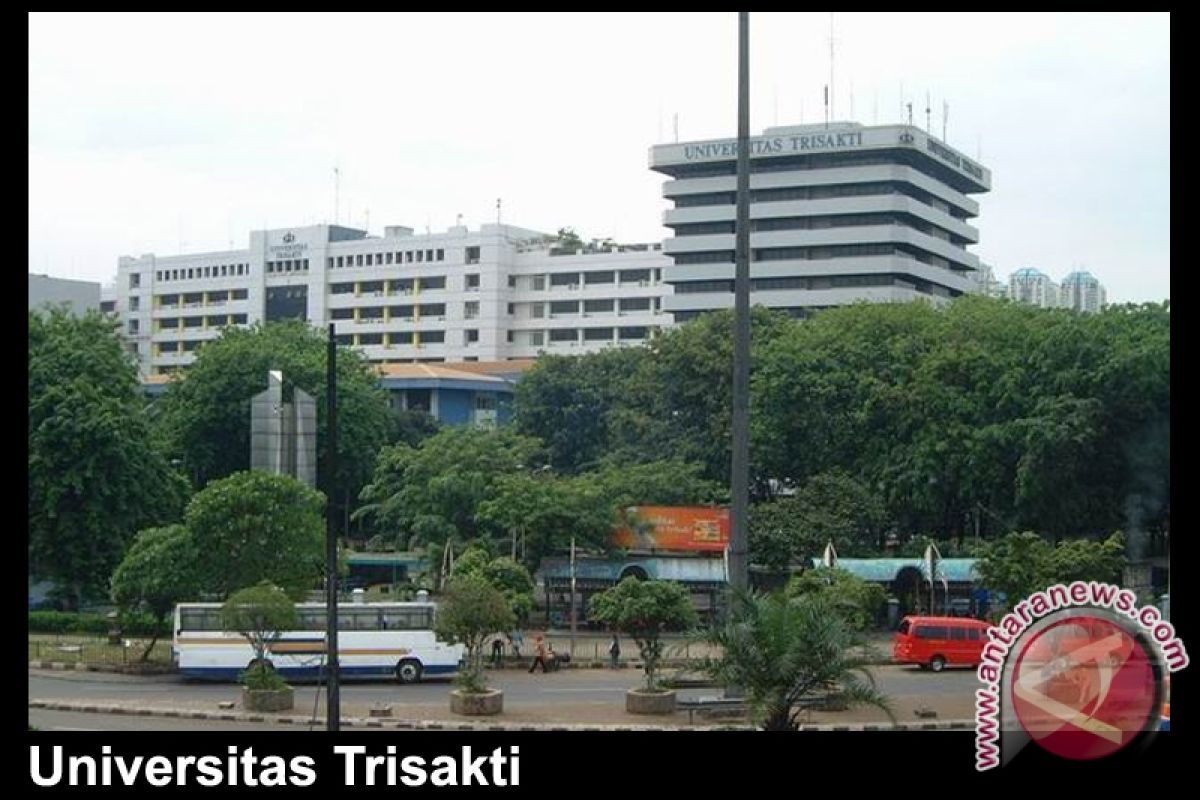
[1084, 687]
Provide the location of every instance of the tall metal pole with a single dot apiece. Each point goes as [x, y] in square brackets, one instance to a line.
[573, 615]
[738, 573]
[333, 711]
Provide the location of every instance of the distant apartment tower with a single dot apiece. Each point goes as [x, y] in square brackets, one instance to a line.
[1034, 287]
[79, 296]
[492, 294]
[987, 284]
[838, 213]
[1082, 292]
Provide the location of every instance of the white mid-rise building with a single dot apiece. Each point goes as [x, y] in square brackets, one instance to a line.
[1034, 287]
[1083, 292]
[839, 213]
[493, 294]
[78, 296]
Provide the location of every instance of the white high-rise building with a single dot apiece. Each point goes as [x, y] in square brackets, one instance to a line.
[1082, 291]
[1034, 287]
[839, 213]
[493, 294]
[987, 284]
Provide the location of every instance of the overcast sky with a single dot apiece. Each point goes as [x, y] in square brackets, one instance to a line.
[152, 133]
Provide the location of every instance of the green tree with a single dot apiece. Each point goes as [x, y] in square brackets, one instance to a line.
[782, 651]
[830, 507]
[779, 535]
[859, 602]
[471, 610]
[96, 476]
[431, 494]
[1018, 564]
[254, 526]
[504, 574]
[568, 240]
[546, 511]
[677, 403]
[1085, 560]
[206, 416]
[159, 570]
[644, 610]
[261, 614]
[663, 482]
[566, 401]
[413, 427]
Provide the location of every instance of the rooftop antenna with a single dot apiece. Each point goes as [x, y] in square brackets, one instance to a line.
[979, 147]
[677, 129]
[497, 210]
[928, 111]
[458, 221]
[945, 115]
[831, 83]
[910, 113]
[337, 187]
[367, 219]
[801, 110]
[901, 99]
[826, 105]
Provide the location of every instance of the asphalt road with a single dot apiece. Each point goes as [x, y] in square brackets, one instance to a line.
[574, 686]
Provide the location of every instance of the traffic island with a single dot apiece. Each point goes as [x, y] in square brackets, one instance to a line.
[477, 704]
[638, 701]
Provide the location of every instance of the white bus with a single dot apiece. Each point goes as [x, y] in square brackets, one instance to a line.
[374, 639]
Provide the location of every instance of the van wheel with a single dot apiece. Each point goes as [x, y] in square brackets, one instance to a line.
[937, 663]
[408, 671]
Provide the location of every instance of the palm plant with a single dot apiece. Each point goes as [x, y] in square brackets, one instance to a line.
[782, 651]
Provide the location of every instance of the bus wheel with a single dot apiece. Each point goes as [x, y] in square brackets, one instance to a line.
[937, 663]
[408, 671]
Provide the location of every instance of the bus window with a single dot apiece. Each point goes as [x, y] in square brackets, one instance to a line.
[311, 620]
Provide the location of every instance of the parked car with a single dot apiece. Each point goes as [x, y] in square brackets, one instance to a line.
[937, 642]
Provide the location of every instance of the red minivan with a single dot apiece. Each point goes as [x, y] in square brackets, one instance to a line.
[937, 642]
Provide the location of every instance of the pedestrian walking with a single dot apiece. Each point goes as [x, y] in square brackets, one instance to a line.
[497, 652]
[517, 640]
[539, 656]
[614, 652]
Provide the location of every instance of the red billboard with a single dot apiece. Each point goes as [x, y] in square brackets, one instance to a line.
[685, 528]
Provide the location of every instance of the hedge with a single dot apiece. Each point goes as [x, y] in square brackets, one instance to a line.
[95, 624]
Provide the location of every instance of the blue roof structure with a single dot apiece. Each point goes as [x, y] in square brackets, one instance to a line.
[886, 570]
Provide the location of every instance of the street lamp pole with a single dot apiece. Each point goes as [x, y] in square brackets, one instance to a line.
[740, 477]
[333, 709]
[573, 615]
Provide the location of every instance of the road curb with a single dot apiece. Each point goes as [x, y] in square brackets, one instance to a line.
[442, 725]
